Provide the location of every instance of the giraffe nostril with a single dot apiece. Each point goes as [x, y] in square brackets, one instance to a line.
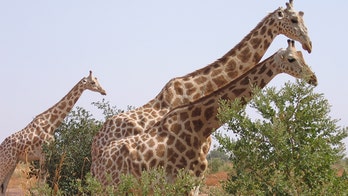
[313, 80]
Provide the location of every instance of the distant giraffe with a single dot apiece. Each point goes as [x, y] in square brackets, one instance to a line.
[175, 142]
[26, 145]
[183, 90]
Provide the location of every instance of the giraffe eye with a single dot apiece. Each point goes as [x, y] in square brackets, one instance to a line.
[93, 83]
[294, 20]
[291, 60]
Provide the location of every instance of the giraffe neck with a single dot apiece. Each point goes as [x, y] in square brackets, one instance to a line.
[183, 90]
[241, 58]
[55, 115]
[202, 113]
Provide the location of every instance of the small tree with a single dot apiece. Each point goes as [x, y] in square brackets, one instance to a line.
[68, 158]
[289, 150]
[71, 148]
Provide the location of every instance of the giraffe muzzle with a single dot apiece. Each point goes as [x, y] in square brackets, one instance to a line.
[307, 46]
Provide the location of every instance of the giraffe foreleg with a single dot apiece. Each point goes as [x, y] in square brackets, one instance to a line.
[7, 179]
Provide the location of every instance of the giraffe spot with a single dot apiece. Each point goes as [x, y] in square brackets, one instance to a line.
[257, 57]
[188, 125]
[62, 105]
[232, 66]
[222, 60]
[208, 113]
[269, 73]
[182, 163]
[196, 142]
[196, 112]
[176, 128]
[245, 81]
[197, 125]
[148, 155]
[244, 55]
[178, 88]
[208, 88]
[255, 42]
[262, 70]
[180, 146]
[153, 163]
[172, 156]
[203, 167]
[176, 102]
[187, 137]
[198, 173]
[262, 83]
[200, 80]
[220, 80]
[215, 72]
[190, 154]
[188, 85]
[270, 33]
[160, 150]
[183, 115]
[206, 70]
[209, 102]
[170, 140]
[238, 91]
[151, 143]
[161, 139]
[266, 44]
[263, 30]
[109, 163]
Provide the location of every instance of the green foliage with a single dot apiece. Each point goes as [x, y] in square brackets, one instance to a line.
[217, 154]
[72, 147]
[107, 109]
[217, 161]
[68, 158]
[153, 182]
[289, 150]
[215, 164]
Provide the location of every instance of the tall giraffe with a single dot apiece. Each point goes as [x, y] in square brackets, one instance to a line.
[182, 90]
[26, 145]
[175, 142]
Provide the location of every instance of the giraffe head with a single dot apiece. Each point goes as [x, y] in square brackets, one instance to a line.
[91, 83]
[291, 61]
[291, 24]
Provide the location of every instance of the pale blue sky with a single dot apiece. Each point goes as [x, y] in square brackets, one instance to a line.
[135, 47]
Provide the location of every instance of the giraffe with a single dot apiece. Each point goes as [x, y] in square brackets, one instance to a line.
[25, 145]
[182, 90]
[175, 142]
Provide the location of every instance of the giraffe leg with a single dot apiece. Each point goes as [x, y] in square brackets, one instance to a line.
[42, 170]
[7, 179]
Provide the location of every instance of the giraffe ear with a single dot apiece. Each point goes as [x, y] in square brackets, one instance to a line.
[301, 13]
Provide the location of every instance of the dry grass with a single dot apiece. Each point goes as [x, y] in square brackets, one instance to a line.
[19, 183]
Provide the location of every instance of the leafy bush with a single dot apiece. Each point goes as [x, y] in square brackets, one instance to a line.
[289, 150]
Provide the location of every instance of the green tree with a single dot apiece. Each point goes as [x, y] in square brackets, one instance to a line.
[289, 150]
[68, 158]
